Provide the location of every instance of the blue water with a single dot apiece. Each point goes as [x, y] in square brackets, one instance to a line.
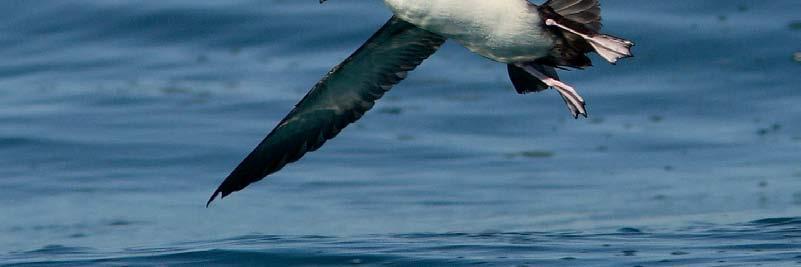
[119, 118]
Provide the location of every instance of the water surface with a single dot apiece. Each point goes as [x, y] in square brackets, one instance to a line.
[119, 118]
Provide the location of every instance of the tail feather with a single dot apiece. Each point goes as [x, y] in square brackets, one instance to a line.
[587, 12]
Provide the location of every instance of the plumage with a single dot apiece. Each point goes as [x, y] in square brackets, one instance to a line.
[506, 31]
[534, 41]
[587, 12]
[342, 97]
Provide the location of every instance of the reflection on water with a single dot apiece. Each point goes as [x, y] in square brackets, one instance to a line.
[117, 119]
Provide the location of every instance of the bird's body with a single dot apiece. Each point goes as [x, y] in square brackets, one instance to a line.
[532, 40]
[506, 31]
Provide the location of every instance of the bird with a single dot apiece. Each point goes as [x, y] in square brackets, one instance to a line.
[532, 40]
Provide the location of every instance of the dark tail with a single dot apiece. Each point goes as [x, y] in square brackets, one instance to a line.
[586, 12]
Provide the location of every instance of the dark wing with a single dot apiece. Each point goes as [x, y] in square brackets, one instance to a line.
[340, 98]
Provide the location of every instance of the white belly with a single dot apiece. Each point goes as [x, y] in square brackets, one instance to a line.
[502, 30]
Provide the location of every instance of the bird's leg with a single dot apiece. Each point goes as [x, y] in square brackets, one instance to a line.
[609, 47]
[574, 101]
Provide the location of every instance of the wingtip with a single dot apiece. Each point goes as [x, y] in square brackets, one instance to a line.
[213, 196]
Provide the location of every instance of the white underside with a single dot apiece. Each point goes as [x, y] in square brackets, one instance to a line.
[502, 30]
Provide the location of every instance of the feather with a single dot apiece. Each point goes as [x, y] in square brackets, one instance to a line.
[587, 12]
[340, 98]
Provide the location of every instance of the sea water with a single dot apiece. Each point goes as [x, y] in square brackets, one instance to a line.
[119, 118]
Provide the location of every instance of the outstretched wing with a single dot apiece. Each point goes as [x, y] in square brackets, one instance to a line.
[340, 98]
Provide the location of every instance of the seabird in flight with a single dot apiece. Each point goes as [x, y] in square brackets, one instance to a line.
[533, 40]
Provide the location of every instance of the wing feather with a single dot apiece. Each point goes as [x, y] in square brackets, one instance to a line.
[348, 91]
